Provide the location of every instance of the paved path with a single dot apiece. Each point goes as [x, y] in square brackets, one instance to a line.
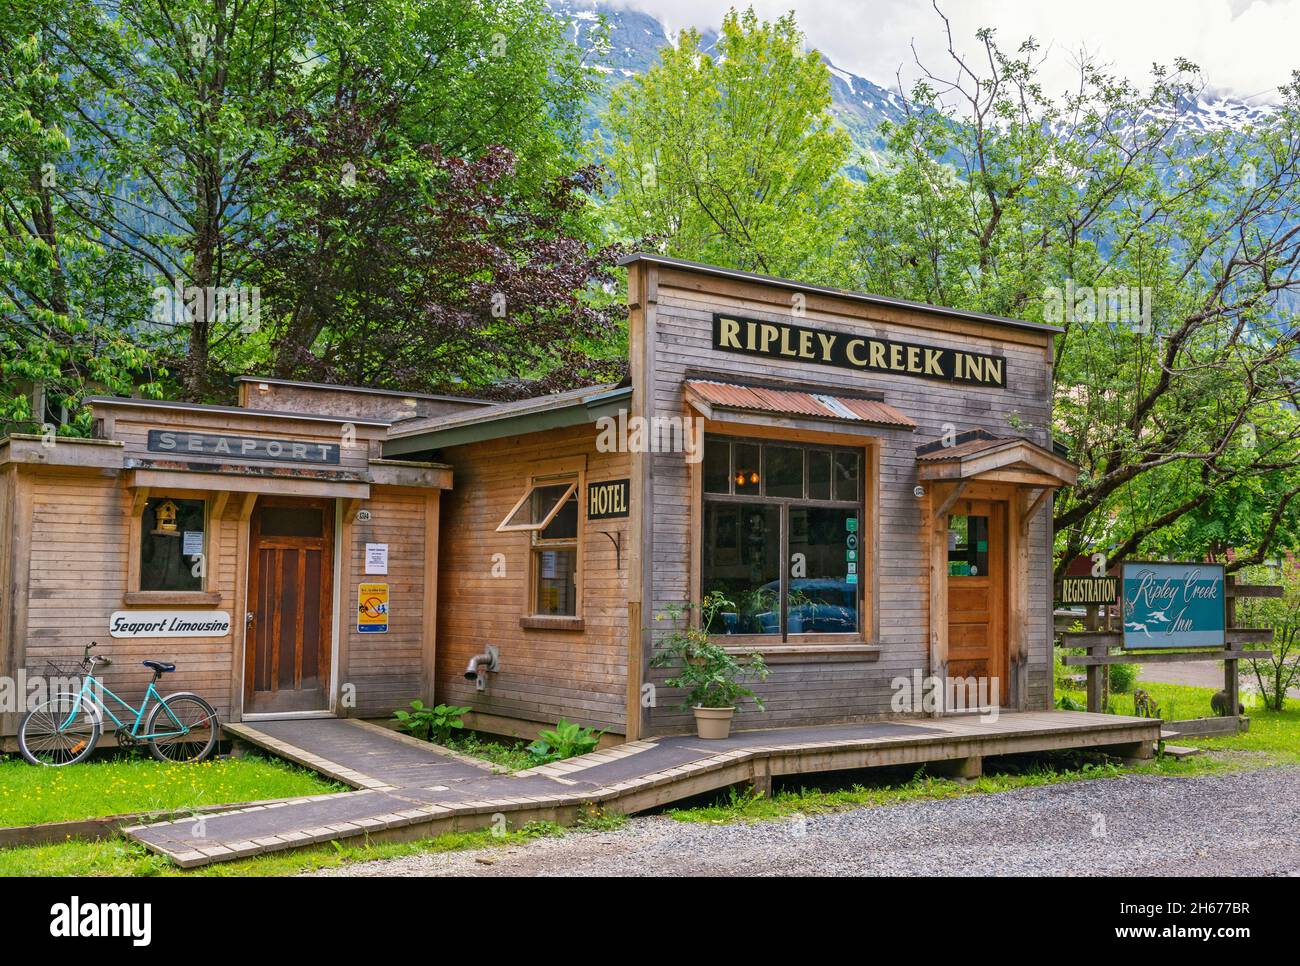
[410, 788]
[1235, 824]
[1199, 674]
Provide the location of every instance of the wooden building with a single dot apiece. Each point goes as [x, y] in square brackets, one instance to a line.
[867, 481]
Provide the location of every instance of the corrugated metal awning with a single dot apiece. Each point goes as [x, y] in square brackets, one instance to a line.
[728, 395]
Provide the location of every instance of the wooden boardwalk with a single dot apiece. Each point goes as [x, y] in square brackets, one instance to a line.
[409, 789]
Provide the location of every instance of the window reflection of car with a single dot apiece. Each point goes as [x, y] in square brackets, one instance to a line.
[818, 606]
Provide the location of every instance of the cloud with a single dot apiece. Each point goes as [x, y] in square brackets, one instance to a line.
[1245, 48]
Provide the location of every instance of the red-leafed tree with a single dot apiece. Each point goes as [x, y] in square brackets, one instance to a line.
[426, 224]
[437, 274]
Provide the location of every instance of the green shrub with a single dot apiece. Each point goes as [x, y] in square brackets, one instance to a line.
[430, 724]
[1123, 677]
[565, 740]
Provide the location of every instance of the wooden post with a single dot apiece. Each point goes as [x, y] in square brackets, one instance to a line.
[1230, 677]
[1095, 672]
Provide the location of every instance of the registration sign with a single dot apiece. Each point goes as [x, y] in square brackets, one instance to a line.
[1174, 605]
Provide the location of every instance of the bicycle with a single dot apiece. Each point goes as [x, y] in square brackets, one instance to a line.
[65, 729]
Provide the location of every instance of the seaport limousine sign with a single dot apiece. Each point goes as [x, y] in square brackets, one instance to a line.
[1174, 605]
[242, 447]
[862, 353]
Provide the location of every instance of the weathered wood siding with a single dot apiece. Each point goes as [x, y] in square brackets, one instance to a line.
[131, 425]
[345, 401]
[77, 578]
[386, 670]
[678, 311]
[10, 587]
[545, 674]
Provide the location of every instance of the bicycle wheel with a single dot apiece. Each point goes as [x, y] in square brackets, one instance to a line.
[184, 728]
[60, 731]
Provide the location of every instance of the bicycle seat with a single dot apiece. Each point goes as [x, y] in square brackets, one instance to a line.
[162, 667]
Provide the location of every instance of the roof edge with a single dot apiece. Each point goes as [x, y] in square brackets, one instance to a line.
[718, 271]
[337, 387]
[131, 402]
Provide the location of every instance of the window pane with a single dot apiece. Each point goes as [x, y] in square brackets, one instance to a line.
[168, 529]
[819, 475]
[717, 466]
[564, 525]
[541, 501]
[846, 476]
[742, 561]
[557, 591]
[745, 468]
[968, 546]
[291, 521]
[825, 599]
[783, 469]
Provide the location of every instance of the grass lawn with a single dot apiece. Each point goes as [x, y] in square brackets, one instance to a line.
[112, 786]
[118, 857]
[1273, 739]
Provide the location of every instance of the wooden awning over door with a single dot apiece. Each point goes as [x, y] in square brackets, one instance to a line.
[979, 456]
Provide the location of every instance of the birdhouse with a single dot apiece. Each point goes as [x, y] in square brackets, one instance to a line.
[164, 515]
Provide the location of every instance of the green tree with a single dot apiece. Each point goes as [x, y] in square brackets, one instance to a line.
[427, 220]
[61, 290]
[1002, 199]
[731, 158]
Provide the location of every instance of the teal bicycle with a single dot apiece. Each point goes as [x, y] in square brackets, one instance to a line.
[64, 730]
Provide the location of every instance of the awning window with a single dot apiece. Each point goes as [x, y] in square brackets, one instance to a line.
[538, 506]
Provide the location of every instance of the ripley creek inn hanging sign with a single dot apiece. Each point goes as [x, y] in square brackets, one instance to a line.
[1173, 605]
[785, 340]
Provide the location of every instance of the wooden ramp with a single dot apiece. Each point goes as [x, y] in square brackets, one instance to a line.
[408, 789]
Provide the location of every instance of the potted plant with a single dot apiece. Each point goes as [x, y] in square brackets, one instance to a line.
[712, 677]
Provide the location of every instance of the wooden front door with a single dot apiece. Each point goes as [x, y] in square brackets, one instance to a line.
[977, 592]
[290, 604]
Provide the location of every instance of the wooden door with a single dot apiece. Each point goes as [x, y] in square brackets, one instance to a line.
[290, 600]
[977, 592]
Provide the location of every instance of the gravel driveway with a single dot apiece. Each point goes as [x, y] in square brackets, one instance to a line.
[1241, 823]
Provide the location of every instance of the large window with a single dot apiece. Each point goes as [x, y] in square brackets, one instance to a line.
[782, 538]
[548, 512]
[172, 545]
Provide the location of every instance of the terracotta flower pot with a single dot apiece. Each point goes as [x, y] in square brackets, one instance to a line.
[713, 722]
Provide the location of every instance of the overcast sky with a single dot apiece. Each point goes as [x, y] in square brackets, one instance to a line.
[1245, 48]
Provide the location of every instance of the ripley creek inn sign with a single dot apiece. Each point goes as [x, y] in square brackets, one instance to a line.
[786, 340]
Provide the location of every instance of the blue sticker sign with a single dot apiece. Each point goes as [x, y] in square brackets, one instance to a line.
[1173, 605]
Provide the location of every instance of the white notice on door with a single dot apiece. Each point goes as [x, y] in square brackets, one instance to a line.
[376, 558]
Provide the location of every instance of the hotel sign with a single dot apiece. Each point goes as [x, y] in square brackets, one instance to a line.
[1174, 605]
[242, 447]
[785, 340]
[607, 500]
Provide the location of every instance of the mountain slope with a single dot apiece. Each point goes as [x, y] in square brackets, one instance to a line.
[857, 103]
[634, 42]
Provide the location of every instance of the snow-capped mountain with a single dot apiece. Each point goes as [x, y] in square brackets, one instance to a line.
[859, 104]
[634, 42]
